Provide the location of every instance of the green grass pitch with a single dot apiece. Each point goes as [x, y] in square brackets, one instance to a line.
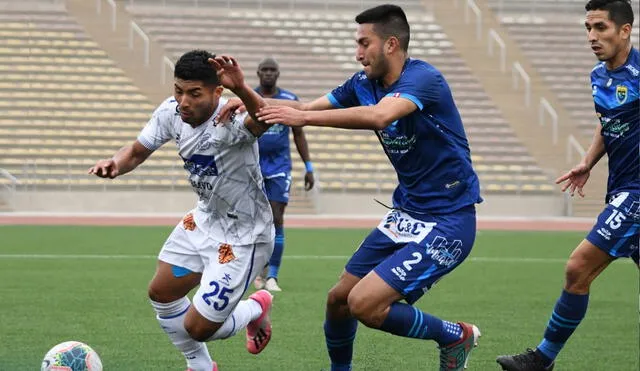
[508, 288]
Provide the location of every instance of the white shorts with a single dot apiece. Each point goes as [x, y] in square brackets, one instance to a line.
[226, 270]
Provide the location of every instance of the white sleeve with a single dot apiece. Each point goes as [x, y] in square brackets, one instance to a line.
[159, 129]
[237, 131]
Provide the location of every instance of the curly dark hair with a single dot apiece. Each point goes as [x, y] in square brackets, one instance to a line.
[193, 66]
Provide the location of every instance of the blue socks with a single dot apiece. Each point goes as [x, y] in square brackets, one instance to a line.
[276, 257]
[339, 335]
[402, 320]
[407, 321]
[566, 316]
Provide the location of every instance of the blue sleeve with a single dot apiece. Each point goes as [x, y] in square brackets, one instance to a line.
[344, 96]
[422, 86]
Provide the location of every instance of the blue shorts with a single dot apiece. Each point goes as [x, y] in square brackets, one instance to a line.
[277, 188]
[411, 254]
[617, 230]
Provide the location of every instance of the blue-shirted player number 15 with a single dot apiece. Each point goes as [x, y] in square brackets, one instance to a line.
[220, 298]
[615, 219]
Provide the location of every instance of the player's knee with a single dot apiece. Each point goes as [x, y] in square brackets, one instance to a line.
[158, 295]
[358, 306]
[362, 308]
[577, 277]
[278, 220]
[197, 332]
[336, 298]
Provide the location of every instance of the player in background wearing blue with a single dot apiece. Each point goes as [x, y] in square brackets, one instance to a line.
[615, 84]
[275, 163]
[431, 227]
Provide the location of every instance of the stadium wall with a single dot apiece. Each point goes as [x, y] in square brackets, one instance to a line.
[327, 203]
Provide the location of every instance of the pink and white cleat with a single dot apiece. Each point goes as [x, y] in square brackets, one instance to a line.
[259, 330]
[215, 367]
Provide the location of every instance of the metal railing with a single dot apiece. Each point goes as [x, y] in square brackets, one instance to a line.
[471, 5]
[494, 38]
[546, 107]
[573, 146]
[112, 4]
[135, 29]
[7, 191]
[166, 63]
[519, 73]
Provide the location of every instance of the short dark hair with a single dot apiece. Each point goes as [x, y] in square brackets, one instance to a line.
[620, 11]
[388, 20]
[193, 66]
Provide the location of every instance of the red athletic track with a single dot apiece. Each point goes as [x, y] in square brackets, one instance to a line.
[293, 221]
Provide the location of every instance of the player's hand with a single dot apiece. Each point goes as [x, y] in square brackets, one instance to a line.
[575, 179]
[281, 115]
[308, 181]
[233, 106]
[105, 169]
[229, 73]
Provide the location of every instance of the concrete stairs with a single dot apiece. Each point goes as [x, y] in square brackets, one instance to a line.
[499, 86]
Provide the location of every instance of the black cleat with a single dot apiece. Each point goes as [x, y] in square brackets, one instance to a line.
[527, 361]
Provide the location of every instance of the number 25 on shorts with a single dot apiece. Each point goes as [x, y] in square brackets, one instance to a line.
[220, 299]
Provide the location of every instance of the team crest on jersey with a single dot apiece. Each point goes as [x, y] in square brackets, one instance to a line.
[188, 223]
[622, 93]
[205, 142]
[225, 253]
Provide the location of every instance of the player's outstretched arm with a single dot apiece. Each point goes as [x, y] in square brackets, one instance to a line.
[575, 179]
[125, 160]
[235, 106]
[376, 117]
[231, 77]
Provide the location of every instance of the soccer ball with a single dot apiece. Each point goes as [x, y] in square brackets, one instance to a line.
[71, 356]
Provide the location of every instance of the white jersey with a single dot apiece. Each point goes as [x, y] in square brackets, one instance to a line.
[224, 171]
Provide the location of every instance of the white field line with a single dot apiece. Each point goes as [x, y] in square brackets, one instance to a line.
[480, 259]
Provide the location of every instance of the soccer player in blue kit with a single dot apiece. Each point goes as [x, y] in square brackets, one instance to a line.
[275, 163]
[431, 227]
[614, 83]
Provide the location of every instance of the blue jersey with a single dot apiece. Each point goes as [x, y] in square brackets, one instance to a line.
[428, 148]
[275, 155]
[617, 102]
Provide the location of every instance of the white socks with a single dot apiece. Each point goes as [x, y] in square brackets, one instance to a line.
[171, 317]
[245, 312]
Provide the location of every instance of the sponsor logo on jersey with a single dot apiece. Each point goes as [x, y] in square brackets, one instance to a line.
[225, 253]
[614, 128]
[400, 227]
[226, 279]
[633, 70]
[396, 144]
[400, 273]
[444, 252]
[201, 165]
[605, 233]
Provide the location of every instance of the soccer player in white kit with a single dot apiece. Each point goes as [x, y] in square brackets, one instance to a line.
[224, 242]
